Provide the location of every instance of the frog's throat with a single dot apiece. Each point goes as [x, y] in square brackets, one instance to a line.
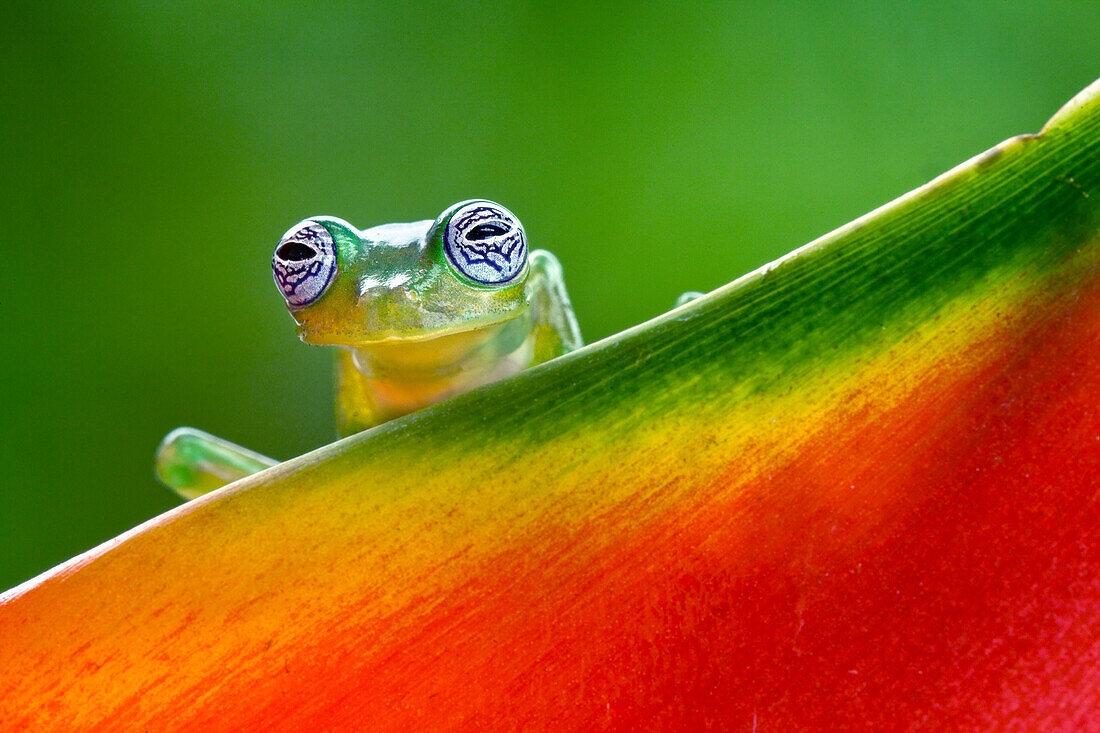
[489, 352]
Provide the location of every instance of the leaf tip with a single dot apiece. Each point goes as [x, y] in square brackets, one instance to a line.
[1084, 98]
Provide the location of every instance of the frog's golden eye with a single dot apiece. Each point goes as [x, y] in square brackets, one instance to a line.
[304, 263]
[485, 243]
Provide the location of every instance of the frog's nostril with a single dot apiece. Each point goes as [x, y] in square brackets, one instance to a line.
[295, 252]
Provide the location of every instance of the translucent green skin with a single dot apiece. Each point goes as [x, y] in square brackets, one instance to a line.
[411, 331]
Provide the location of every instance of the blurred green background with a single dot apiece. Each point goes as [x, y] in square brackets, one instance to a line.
[152, 157]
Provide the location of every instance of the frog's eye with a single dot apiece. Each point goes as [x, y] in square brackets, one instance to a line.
[304, 263]
[485, 243]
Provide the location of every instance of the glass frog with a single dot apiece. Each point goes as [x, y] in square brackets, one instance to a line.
[419, 312]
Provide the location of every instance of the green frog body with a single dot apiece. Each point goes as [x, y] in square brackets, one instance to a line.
[419, 312]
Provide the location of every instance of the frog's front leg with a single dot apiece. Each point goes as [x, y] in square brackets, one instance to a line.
[356, 408]
[556, 328]
[193, 463]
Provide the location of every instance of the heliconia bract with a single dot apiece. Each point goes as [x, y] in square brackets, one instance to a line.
[857, 489]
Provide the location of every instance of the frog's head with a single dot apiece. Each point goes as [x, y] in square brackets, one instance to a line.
[403, 282]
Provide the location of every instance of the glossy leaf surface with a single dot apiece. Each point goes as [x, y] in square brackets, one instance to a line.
[854, 489]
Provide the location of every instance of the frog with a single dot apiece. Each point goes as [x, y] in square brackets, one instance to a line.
[417, 312]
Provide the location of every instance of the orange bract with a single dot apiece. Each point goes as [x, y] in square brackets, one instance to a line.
[855, 490]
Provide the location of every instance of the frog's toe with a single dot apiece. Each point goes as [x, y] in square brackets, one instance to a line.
[688, 297]
[192, 462]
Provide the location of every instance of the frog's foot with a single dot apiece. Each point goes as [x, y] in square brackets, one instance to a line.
[688, 297]
[556, 330]
[193, 463]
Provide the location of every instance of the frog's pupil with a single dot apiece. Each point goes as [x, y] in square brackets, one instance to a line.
[485, 231]
[295, 252]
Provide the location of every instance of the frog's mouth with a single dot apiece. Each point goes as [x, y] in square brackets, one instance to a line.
[383, 325]
[439, 337]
